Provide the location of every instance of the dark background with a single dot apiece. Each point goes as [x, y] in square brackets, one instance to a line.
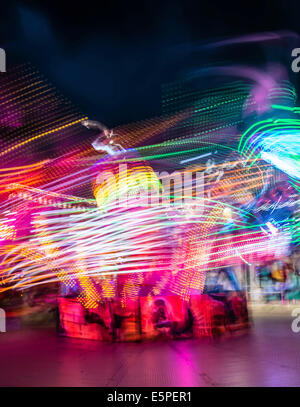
[110, 58]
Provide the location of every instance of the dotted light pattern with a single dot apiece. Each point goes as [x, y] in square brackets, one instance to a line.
[63, 221]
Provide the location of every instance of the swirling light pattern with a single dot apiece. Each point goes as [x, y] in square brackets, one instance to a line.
[180, 198]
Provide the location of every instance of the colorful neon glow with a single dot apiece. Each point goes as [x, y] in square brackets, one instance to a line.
[140, 217]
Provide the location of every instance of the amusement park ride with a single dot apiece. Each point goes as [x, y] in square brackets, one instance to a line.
[139, 260]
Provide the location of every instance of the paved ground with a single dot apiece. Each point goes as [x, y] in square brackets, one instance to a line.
[268, 356]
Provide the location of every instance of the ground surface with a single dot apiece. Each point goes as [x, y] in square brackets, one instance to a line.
[268, 356]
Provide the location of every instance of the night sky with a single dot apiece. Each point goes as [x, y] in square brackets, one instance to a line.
[111, 60]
